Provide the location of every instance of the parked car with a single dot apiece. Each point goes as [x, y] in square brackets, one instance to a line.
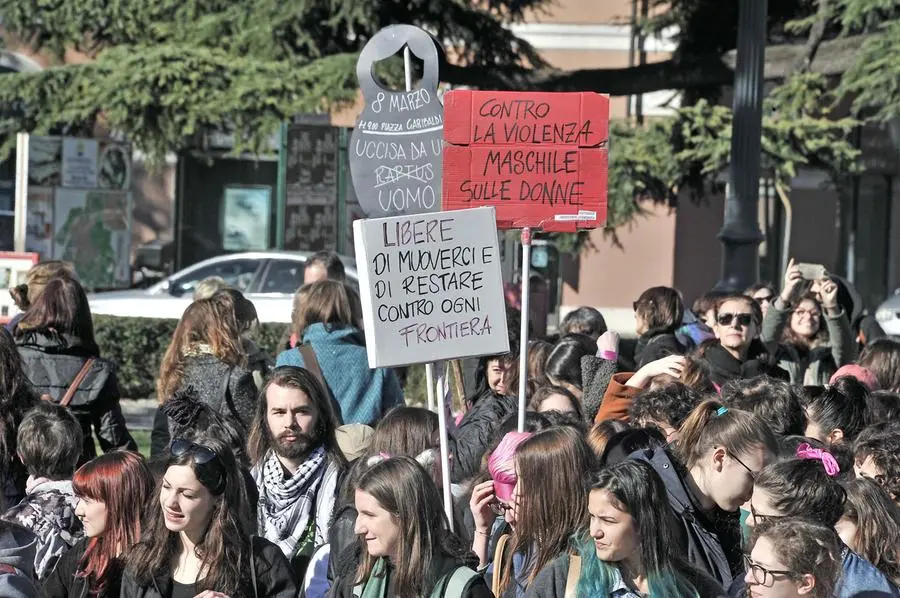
[268, 278]
[888, 314]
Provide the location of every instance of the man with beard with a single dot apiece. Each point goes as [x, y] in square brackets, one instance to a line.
[296, 463]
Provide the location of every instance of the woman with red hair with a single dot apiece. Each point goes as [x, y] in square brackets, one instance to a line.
[113, 490]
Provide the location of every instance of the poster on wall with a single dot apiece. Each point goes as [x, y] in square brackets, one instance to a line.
[246, 213]
[13, 268]
[79, 162]
[44, 161]
[39, 223]
[114, 165]
[92, 229]
[311, 188]
[310, 228]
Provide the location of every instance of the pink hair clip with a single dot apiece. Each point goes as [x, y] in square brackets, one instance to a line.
[805, 451]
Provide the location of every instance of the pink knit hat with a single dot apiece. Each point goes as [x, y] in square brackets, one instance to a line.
[502, 464]
[866, 377]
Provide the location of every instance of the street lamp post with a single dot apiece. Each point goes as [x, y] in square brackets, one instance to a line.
[740, 234]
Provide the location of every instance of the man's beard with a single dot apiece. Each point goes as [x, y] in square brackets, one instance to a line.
[296, 448]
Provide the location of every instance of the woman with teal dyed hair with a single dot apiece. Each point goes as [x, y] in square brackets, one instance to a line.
[630, 548]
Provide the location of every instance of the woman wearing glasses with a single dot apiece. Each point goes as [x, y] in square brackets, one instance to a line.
[737, 351]
[708, 476]
[546, 506]
[793, 558]
[628, 549]
[807, 487]
[199, 541]
[810, 323]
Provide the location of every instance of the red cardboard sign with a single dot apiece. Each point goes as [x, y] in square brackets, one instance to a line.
[540, 159]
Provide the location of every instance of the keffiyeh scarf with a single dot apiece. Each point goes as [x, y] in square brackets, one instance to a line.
[287, 504]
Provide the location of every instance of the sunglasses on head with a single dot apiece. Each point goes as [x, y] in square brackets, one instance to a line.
[204, 457]
[742, 319]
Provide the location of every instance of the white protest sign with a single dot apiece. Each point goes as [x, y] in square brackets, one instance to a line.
[431, 287]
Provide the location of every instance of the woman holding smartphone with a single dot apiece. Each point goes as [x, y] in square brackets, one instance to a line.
[813, 329]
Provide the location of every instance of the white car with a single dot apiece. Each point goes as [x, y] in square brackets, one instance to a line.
[267, 278]
[888, 315]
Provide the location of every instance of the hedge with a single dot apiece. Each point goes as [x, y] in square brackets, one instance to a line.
[137, 346]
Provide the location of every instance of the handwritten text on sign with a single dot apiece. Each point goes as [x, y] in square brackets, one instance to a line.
[395, 148]
[539, 158]
[431, 287]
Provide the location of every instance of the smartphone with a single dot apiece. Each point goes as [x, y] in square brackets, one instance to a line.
[812, 271]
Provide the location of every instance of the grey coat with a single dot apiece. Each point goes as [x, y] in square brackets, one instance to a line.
[229, 390]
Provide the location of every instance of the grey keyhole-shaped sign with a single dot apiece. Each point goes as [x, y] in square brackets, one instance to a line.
[395, 149]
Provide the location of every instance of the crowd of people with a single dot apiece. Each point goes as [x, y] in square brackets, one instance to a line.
[747, 446]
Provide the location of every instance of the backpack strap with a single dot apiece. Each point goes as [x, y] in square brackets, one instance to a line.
[455, 583]
[499, 552]
[311, 364]
[73, 387]
[574, 576]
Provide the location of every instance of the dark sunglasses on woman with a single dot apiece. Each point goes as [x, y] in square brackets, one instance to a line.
[204, 457]
[742, 319]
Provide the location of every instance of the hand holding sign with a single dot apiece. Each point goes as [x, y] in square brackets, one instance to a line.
[395, 149]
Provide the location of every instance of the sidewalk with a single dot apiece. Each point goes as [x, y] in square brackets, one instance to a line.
[139, 413]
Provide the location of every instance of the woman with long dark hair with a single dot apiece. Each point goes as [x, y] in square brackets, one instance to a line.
[628, 547]
[409, 550]
[16, 397]
[113, 491]
[199, 536]
[55, 339]
[547, 505]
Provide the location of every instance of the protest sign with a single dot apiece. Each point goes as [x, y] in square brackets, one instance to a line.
[395, 149]
[431, 287]
[539, 158]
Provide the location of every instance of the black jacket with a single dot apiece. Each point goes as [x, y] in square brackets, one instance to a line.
[711, 542]
[62, 582]
[653, 346]
[274, 578]
[52, 361]
[723, 366]
[471, 437]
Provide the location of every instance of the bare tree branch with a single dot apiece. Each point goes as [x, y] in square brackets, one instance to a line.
[816, 34]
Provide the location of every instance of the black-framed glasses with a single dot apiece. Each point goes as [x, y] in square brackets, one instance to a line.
[765, 299]
[204, 457]
[743, 320]
[499, 507]
[752, 473]
[759, 518]
[763, 576]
